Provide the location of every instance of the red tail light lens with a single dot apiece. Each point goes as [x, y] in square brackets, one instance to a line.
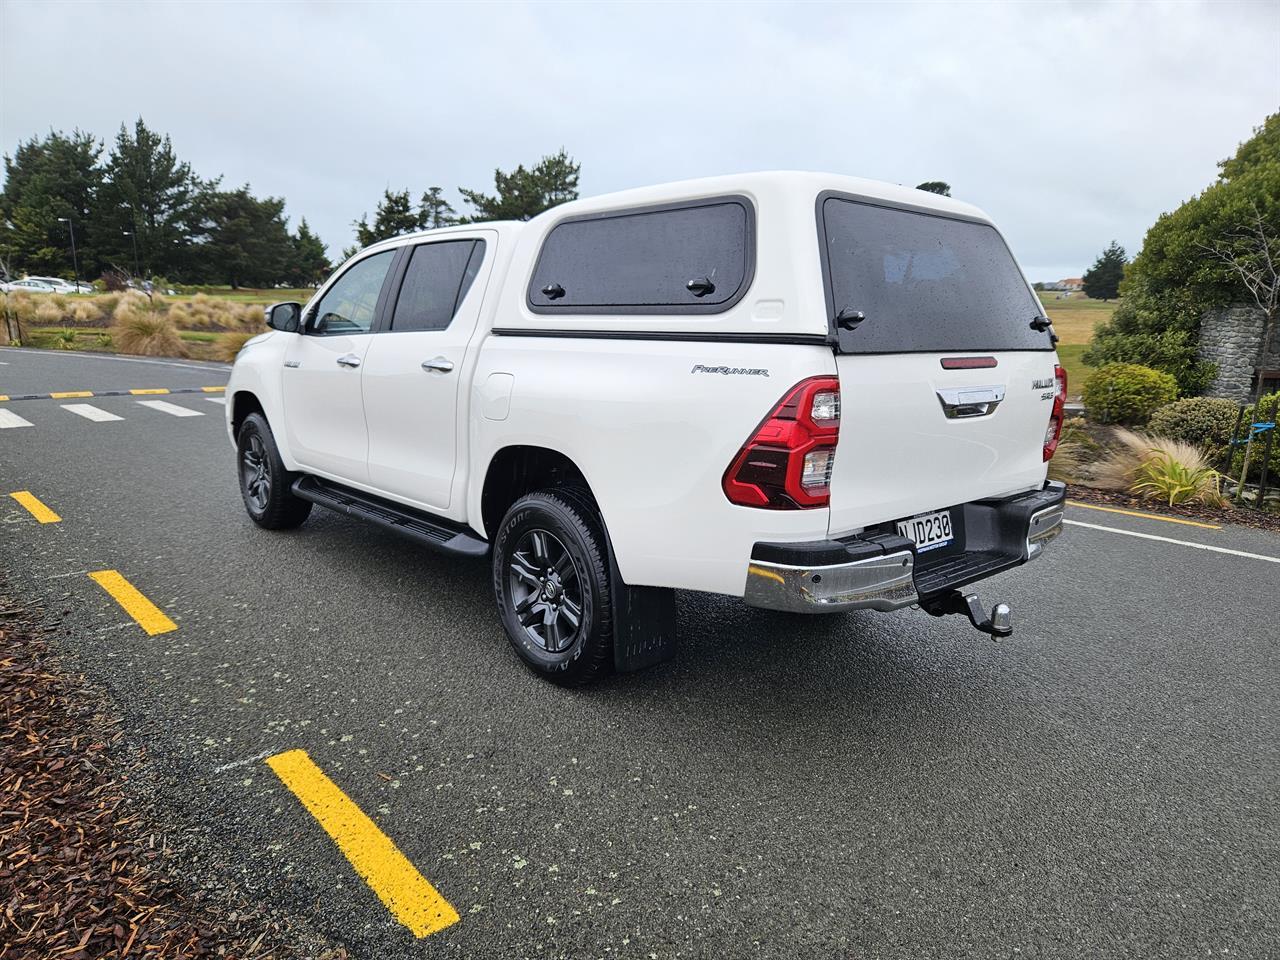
[1053, 432]
[786, 464]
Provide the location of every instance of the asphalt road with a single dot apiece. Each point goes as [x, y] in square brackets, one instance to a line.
[1105, 784]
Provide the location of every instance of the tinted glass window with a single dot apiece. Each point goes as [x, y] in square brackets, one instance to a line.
[645, 260]
[436, 280]
[349, 305]
[925, 283]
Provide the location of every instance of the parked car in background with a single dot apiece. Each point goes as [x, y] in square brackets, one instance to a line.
[63, 286]
[28, 285]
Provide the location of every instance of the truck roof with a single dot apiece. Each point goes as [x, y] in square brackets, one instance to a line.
[797, 184]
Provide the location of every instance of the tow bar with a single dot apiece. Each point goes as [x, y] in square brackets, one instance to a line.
[999, 624]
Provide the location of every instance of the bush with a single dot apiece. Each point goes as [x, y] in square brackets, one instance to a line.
[86, 313]
[141, 329]
[1127, 393]
[1157, 467]
[1204, 421]
[1265, 405]
[64, 339]
[230, 344]
[48, 312]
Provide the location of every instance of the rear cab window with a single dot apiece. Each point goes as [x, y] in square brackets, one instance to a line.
[924, 282]
[436, 280]
[695, 257]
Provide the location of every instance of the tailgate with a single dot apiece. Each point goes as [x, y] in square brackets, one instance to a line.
[916, 437]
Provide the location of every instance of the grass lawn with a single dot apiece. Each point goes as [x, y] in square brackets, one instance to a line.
[1074, 319]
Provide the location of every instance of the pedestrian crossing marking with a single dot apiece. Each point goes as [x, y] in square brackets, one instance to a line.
[9, 420]
[164, 406]
[90, 412]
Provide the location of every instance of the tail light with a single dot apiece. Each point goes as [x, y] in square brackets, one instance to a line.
[786, 464]
[1054, 430]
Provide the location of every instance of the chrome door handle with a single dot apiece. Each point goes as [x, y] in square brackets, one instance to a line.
[440, 364]
[349, 360]
[960, 403]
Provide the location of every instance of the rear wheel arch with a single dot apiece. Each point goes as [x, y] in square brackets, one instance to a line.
[518, 470]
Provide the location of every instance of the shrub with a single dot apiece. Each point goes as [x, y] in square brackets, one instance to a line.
[85, 313]
[1072, 452]
[230, 344]
[47, 312]
[144, 330]
[1158, 467]
[1263, 415]
[1127, 393]
[1204, 421]
[64, 339]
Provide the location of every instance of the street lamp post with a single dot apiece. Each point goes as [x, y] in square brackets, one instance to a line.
[132, 236]
[75, 264]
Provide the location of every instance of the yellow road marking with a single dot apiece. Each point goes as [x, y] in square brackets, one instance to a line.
[1145, 516]
[147, 615]
[139, 393]
[214, 389]
[3, 397]
[70, 395]
[406, 893]
[35, 507]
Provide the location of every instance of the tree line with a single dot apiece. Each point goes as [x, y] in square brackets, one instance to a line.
[136, 209]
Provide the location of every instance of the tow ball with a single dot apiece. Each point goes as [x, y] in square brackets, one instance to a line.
[999, 624]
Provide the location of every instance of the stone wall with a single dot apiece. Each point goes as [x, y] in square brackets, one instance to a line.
[1229, 337]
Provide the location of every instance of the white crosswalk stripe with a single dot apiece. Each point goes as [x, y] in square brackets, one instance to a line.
[90, 412]
[9, 419]
[170, 408]
[221, 400]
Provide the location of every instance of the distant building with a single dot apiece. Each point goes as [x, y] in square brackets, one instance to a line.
[1073, 284]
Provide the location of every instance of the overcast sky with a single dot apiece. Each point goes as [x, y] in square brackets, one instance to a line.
[1070, 124]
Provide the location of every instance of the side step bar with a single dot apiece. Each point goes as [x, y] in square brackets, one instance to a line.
[434, 532]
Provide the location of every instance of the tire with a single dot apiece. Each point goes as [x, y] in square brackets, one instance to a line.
[265, 484]
[550, 569]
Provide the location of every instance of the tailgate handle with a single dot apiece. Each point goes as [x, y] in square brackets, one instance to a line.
[964, 402]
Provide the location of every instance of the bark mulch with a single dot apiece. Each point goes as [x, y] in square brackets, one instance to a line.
[1242, 516]
[82, 872]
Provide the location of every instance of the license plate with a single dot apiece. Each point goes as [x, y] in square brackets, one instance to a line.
[929, 530]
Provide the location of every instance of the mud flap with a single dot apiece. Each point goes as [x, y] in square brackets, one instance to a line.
[644, 623]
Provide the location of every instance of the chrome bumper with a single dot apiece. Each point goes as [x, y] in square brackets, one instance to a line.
[880, 583]
[832, 575]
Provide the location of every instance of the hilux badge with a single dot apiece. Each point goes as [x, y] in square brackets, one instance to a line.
[1042, 384]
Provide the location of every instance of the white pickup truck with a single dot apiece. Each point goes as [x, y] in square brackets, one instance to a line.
[814, 392]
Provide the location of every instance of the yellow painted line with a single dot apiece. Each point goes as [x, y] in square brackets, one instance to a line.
[3, 397]
[214, 389]
[139, 393]
[147, 615]
[70, 395]
[35, 507]
[1144, 516]
[406, 893]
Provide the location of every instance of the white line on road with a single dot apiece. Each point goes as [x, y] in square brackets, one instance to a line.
[221, 400]
[1181, 543]
[9, 420]
[170, 408]
[90, 412]
[64, 354]
[243, 763]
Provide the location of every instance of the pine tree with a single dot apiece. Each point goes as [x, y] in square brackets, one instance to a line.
[1102, 280]
[394, 217]
[435, 211]
[935, 186]
[47, 183]
[310, 259]
[152, 195]
[247, 241]
[523, 194]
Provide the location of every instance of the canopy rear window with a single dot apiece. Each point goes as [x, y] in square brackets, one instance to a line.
[924, 283]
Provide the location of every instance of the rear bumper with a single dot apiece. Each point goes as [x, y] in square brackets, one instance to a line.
[879, 570]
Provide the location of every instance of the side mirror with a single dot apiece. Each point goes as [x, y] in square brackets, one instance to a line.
[284, 316]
